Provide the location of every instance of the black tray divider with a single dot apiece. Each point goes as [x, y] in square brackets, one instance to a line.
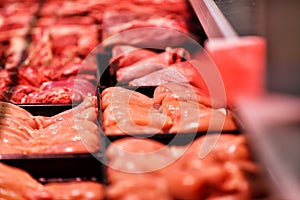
[103, 141]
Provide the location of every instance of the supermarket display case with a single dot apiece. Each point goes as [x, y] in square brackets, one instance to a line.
[232, 47]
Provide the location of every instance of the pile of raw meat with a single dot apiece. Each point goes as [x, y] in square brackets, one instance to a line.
[43, 44]
[143, 67]
[174, 108]
[213, 167]
[23, 133]
[146, 169]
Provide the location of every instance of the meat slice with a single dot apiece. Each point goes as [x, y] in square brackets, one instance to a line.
[70, 136]
[165, 75]
[13, 54]
[129, 155]
[192, 118]
[113, 95]
[32, 76]
[130, 176]
[75, 190]
[14, 183]
[125, 55]
[142, 29]
[139, 186]
[178, 72]
[151, 64]
[227, 163]
[182, 92]
[73, 131]
[14, 112]
[190, 110]
[17, 184]
[126, 111]
[86, 110]
[71, 90]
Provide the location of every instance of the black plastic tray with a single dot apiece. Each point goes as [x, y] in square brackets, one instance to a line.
[48, 168]
[47, 110]
[170, 139]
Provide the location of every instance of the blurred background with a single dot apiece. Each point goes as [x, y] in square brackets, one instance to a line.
[273, 122]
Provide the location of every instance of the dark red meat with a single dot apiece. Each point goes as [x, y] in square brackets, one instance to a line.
[143, 30]
[54, 92]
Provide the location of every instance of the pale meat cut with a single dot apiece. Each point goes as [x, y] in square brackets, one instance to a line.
[125, 55]
[128, 172]
[181, 72]
[183, 92]
[229, 169]
[190, 111]
[126, 111]
[17, 184]
[159, 77]
[151, 64]
[72, 131]
[181, 110]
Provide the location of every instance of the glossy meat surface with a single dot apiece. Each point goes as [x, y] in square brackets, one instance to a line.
[174, 108]
[23, 133]
[126, 111]
[221, 173]
[16, 184]
[151, 64]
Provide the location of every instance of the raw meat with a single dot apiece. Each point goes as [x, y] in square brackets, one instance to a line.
[5, 82]
[181, 72]
[159, 77]
[142, 29]
[138, 150]
[126, 111]
[14, 183]
[54, 92]
[53, 51]
[227, 166]
[182, 92]
[75, 191]
[12, 53]
[125, 55]
[68, 132]
[151, 64]
[17, 184]
[51, 45]
[129, 112]
[142, 187]
[226, 172]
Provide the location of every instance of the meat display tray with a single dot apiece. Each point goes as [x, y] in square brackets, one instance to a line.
[48, 168]
[67, 167]
[165, 138]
